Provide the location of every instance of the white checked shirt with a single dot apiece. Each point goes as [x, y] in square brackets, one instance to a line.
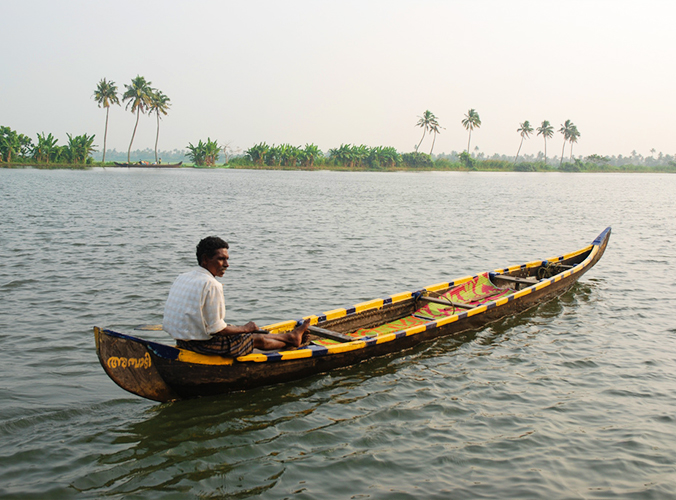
[195, 308]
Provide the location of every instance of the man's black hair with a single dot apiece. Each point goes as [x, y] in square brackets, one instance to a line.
[207, 247]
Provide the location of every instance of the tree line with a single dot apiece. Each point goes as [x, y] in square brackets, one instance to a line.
[141, 98]
[471, 121]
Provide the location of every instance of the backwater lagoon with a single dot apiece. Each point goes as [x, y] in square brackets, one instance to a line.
[575, 398]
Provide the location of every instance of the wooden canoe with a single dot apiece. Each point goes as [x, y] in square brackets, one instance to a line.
[343, 337]
[149, 165]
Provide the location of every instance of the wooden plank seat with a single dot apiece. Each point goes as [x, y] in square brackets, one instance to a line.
[515, 279]
[447, 302]
[330, 334]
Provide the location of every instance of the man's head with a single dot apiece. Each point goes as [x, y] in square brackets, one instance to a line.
[212, 255]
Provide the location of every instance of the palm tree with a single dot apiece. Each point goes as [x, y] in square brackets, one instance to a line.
[137, 96]
[434, 127]
[565, 129]
[524, 131]
[426, 121]
[470, 122]
[547, 132]
[159, 104]
[574, 134]
[106, 94]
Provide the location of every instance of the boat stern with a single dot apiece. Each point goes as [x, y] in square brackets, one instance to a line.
[128, 363]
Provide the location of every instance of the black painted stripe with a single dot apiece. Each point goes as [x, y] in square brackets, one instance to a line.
[319, 350]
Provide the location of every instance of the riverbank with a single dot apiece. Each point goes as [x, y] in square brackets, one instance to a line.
[437, 166]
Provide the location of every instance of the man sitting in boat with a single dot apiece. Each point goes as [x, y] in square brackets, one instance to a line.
[195, 311]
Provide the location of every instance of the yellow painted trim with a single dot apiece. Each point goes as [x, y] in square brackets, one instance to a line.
[371, 304]
[574, 254]
[346, 347]
[398, 297]
[501, 302]
[203, 359]
[257, 357]
[298, 354]
[335, 314]
[281, 326]
[441, 286]
[416, 329]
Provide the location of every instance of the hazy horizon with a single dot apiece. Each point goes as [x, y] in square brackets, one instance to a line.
[348, 72]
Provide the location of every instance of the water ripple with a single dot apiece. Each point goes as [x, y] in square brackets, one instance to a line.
[572, 399]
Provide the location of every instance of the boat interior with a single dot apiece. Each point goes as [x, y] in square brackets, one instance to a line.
[435, 302]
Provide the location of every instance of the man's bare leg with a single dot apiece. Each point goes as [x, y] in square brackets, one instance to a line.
[269, 341]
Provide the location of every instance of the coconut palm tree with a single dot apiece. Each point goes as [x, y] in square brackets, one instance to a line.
[434, 127]
[106, 94]
[547, 132]
[137, 96]
[470, 122]
[566, 130]
[426, 121]
[159, 104]
[524, 131]
[574, 134]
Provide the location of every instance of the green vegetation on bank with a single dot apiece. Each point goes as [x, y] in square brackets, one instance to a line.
[17, 149]
[362, 158]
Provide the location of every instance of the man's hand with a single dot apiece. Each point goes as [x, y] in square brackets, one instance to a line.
[250, 327]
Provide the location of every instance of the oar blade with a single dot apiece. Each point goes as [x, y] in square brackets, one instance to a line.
[149, 328]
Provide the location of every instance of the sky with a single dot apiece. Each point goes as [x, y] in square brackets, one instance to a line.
[355, 72]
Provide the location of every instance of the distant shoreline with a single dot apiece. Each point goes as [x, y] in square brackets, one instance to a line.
[627, 169]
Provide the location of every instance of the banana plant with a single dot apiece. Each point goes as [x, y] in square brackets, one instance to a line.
[79, 148]
[257, 152]
[13, 144]
[309, 155]
[46, 149]
[343, 155]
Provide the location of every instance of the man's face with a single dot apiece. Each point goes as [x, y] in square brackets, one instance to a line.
[217, 264]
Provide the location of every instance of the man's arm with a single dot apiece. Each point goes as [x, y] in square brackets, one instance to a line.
[250, 327]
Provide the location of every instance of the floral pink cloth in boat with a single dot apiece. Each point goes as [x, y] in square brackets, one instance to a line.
[474, 292]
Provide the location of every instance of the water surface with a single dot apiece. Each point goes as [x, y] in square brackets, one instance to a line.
[574, 399]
